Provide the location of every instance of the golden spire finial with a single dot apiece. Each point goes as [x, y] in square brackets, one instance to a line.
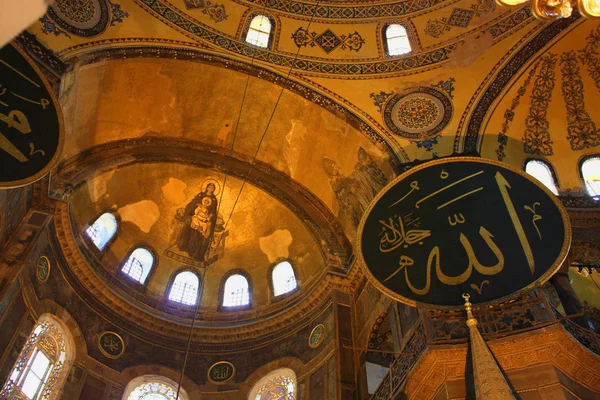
[489, 380]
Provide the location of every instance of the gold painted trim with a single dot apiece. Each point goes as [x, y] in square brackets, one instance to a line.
[61, 130]
[218, 363]
[104, 353]
[320, 340]
[37, 269]
[540, 281]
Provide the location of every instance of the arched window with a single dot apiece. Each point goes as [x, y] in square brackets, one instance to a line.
[236, 292]
[139, 264]
[259, 31]
[541, 171]
[397, 40]
[185, 288]
[102, 230]
[279, 384]
[284, 280]
[153, 387]
[42, 366]
[590, 172]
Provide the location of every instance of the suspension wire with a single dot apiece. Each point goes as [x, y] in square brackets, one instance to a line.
[200, 291]
[283, 87]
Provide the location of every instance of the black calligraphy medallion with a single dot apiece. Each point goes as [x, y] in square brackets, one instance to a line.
[43, 268]
[317, 335]
[31, 126]
[111, 345]
[462, 225]
[221, 372]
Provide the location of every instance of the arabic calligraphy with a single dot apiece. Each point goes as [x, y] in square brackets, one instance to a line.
[111, 345]
[30, 129]
[468, 228]
[221, 372]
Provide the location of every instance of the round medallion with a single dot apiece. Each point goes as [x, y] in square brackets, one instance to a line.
[80, 17]
[317, 335]
[111, 344]
[43, 269]
[220, 372]
[420, 114]
[462, 225]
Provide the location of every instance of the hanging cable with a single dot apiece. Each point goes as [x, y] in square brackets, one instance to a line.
[200, 291]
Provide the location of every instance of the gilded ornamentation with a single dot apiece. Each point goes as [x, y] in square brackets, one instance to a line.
[581, 130]
[419, 114]
[585, 254]
[460, 17]
[328, 41]
[215, 11]
[509, 114]
[43, 269]
[170, 15]
[316, 337]
[83, 18]
[49, 340]
[489, 381]
[537, 135]
[279, 388]
[111, 345]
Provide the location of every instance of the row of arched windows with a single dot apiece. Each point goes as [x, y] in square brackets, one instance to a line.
[261, 27]
[185, 285]
[589, 170]
[46, 358]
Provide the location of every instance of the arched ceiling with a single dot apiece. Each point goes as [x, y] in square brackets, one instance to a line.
[161, 96]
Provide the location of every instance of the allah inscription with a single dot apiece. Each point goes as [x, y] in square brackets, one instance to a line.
[462, 225]
[221, 372]
[31, 131]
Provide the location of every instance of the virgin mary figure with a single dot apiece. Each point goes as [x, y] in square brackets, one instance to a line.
[199, 219]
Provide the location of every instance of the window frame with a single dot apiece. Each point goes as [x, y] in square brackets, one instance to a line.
[582, 160]
[229, 274]
[130, 280]
[412, 41]
[550, 167]
[89, 243]
[245, 27]
[177, 304]
[275, 298]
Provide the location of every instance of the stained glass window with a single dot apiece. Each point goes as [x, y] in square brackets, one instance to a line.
[38, 368]
[590, 171]
[259, 31]
[284, 280]
[278, 388]
[236, 291]
[185, 288]
[542, 172]
[153, 391]
[102, 230]
[139, 264]
[397, 40]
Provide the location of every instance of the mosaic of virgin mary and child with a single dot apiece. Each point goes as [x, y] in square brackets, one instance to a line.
[197, 226]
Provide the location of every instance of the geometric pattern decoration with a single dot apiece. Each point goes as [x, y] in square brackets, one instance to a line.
[171, 15]
[537, 135]
[216, 12]
[328, 41]
[419, 114]
[460, 17]
[581, 130]
[509, 114]
[361, 10]
[83, 18]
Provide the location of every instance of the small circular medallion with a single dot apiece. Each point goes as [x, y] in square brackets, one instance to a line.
[418, 115]
[43, 269]
[220, 372]
[111, 344]
[317, 335]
